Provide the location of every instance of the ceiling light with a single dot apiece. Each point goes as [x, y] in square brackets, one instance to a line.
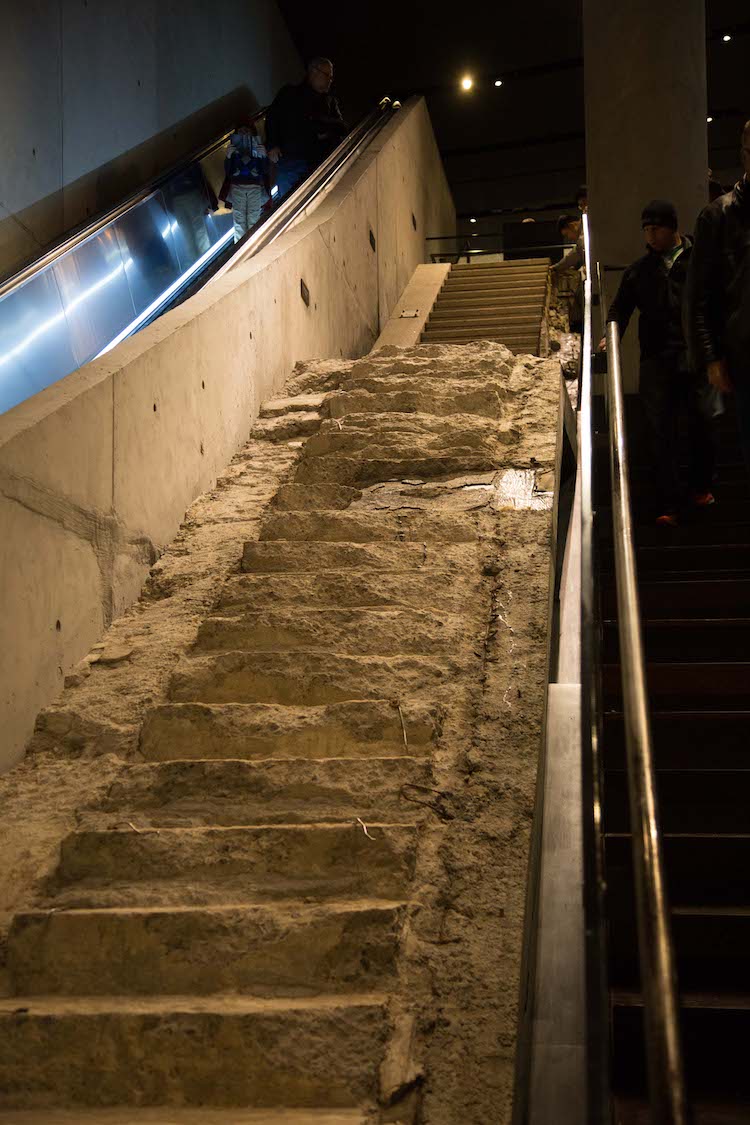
[709, 120]
[467, 82]
[726, 38]
[498, 81]
[472, 220]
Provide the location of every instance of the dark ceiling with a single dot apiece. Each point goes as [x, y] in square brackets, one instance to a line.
[519, 146]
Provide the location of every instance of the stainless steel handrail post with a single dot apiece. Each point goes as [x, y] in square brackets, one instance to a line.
[597, 997]
[656, 954]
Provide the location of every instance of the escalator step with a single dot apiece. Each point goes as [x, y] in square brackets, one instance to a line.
[715, 1034]
[690, 801]
[685, 739]
[712, 946]
[711, 869]
[686, 686]
[700, 639]
[687, 597]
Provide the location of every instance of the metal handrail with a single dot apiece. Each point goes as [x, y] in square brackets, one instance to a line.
[656, 953]
[291, 207]
[597, 995]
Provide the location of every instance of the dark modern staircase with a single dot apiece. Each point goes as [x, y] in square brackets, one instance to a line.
[502, 301]
[695, 602]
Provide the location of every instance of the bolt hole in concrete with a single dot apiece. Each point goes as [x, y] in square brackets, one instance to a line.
[413, 220]
[201, 449]
[58, 626]
[203, 384]
[154, 408]
[372, 240]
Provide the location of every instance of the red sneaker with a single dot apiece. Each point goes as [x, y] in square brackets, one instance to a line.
[669, 519]
[703, 499]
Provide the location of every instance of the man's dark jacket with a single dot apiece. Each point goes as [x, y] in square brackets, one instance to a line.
[658, 292]
[718, 290]
[304, 124]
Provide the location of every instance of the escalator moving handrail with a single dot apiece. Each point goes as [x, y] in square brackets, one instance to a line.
[107, 217]
[656, 953]
[288, 210]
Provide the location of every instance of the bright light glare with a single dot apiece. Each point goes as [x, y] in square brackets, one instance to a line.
[59, 317]
[135, 324]
[709, 120]
[472, 220]
[275, 189]
[726, 38]
[467, 82]
[498, 81]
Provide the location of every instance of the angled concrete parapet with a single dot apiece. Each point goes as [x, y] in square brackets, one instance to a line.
[97, 470]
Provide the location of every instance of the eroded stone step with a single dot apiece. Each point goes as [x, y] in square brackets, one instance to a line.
[376, 632]
[310, 678]
[355, 729]
[285, 556]
[311, 497]
[206, 1115]
[297, 791]
[403, 463]
[371, 527]
[268, 950]
[439, 588]
[286, 427]
[227, 1051]
[487, 402]
[274, 407]
[156, 867]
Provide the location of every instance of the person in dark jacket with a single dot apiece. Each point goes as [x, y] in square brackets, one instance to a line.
[569, 228]
[717, 309]
[654, 285]
[303, 125]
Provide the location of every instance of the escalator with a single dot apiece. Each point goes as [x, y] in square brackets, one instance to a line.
[107, 280]
[667, 800]
[694, 587]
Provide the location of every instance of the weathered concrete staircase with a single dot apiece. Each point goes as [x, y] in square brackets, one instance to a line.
[503, 301]
[224, 929]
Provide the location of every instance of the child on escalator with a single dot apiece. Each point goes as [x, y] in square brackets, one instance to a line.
[246, 183]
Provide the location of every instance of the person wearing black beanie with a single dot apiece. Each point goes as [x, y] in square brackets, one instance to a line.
[654, 285]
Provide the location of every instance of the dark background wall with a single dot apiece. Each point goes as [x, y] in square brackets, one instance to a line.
[97, 96]
[520, 146]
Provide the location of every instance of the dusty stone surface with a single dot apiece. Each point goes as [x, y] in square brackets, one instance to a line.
[288, 799]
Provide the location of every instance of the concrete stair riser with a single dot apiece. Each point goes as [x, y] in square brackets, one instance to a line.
[487, 403]
[354, 470]
[274, 950]
[286, 427]
[370, 527]
[363, 632]
[305, 498]
[209, 865]
[167, 1051]
[310, 679]
[276, 407]
[354, 729]
[277, 557]
[167, 1116]
[436, 588]
[232, 792]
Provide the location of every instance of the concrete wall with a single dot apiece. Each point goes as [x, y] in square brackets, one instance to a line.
[98, 96]
[97, 470]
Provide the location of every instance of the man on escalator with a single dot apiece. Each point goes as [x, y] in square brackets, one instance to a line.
[303, 126]
[655, 285]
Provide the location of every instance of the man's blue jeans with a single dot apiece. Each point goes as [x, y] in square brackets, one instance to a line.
[289, 174]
